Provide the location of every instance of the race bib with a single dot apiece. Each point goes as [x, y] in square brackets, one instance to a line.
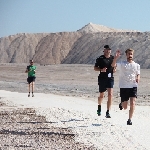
[109, 75]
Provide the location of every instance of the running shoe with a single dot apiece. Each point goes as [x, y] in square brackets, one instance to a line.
[129, 122]
[108, 115]
[98, 112]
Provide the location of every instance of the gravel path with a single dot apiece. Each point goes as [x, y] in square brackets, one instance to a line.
[65, 116]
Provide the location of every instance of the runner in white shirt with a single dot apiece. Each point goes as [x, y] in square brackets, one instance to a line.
[129, 76]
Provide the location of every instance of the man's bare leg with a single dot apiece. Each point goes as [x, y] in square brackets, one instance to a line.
[109, 102]
[125, 104]
[100, 98]
[32, 89]
[132, 107]
[29, 90]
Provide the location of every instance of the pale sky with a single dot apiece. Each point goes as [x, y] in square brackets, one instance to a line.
[47, 16]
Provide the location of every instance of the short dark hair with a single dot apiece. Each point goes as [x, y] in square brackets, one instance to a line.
[31, 60]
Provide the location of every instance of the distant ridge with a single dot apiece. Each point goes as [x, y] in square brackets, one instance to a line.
[90, 27]
[79, 47]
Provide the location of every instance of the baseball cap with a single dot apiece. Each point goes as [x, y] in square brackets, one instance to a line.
[107, 47]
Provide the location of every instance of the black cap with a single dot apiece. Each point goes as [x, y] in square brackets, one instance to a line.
[107, 47]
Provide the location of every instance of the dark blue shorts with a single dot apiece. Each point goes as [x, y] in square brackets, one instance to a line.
[105, 83]
[126, 93]
[31, 79]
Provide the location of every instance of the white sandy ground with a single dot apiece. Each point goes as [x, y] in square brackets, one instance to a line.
[80, 115]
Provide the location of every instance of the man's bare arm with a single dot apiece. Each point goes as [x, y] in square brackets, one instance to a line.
[97, 68]
[26, 71]
[115, 58]
[115, 68]
[138, 78]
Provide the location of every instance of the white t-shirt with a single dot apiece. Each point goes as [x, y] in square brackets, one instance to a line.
[127, 74]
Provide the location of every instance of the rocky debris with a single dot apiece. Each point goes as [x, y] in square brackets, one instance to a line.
[21, 128]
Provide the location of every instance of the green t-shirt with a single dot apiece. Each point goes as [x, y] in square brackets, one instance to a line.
[31, 72]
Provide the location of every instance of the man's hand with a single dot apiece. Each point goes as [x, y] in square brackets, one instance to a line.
[104, 69]
[114, 70]
[117, 55]
[138, 78]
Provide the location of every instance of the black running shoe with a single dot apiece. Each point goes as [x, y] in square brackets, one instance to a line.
[129, 122]
[28, 95]
[98, 112]
[108, 115]
[120, 106]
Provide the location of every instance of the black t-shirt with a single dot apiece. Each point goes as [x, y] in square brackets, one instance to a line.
[103, 62]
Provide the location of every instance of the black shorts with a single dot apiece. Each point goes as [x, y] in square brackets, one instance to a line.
[31, 79]
[105, 83]
[126, 93]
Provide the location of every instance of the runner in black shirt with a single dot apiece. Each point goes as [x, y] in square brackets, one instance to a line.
[105, 78]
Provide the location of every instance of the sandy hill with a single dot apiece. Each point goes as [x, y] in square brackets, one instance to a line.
[80, 47]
